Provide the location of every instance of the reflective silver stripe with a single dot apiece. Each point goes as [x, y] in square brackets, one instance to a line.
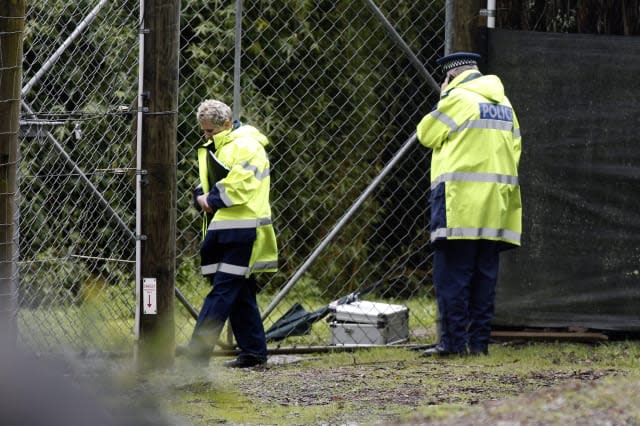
[476, 233]
[474, 177]
[444, 118]
[264, 174]
[264, 221]
[226, 268]
[486, 124]
[223, 195]
[516, 133]
[265, 265]
[255, 171]
[223, 192]
[209, 269]
[239, 224]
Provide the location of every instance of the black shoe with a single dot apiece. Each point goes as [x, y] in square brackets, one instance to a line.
[438, 351]
[481, 352]
[245, 362]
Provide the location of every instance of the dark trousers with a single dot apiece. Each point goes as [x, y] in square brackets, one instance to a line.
[232, 297]
[465, 277]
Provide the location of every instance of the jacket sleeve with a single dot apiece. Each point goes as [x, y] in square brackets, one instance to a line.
[242, 182]
[517, 139]
[196, 193]
[434, 128]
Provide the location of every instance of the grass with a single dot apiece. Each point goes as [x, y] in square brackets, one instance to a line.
[553, 383]
[529, 382]
[394, 385]
[101, 317]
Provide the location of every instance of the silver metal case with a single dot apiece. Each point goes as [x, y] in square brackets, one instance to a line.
[364, 323]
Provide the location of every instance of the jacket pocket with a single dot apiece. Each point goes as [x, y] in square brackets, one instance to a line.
[437, 199]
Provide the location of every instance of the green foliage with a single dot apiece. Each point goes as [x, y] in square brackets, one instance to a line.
[61, 286]
[67, 171]
[315, 78]
[587, 17]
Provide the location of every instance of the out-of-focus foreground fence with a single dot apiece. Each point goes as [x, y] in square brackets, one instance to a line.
[336, 85]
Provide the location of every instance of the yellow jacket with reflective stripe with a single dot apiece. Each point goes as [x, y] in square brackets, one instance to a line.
[475, 137]
[241, 198]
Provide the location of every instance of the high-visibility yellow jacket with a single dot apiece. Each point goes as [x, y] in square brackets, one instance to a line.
[239, 194]
[475, 137]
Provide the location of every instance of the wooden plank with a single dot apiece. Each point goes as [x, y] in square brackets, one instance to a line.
[549, 335]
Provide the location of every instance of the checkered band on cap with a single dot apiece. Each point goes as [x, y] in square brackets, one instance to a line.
[446, 67]
[456, 60]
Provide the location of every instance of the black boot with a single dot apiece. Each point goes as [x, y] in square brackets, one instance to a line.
[439, 351]
[245, 361]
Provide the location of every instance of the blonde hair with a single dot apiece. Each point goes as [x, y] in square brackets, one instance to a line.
[214, 112]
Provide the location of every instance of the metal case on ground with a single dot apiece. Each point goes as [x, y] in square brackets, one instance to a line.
[363, 323]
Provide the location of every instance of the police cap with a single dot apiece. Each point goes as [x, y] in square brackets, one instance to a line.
[458, 59]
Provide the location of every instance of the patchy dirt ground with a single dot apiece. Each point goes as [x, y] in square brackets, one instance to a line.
[447, 392]
[577, 402]
[552, 384]
[353, 386]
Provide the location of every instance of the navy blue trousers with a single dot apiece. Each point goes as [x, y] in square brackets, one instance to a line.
[232, 297]
[465, 276]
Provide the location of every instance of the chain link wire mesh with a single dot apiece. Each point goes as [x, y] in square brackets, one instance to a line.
[77, 196]
[323, 79]
[338, 98]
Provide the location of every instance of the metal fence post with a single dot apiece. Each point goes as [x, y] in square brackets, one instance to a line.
[448, 26]
[237, 65]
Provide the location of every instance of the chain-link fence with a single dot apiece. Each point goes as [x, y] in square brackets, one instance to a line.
[338, 86]
[77, 209]
[338, 96]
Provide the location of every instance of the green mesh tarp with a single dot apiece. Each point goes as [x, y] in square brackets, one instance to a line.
[578, 101]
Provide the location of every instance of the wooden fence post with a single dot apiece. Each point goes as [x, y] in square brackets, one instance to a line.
[12, 15]
[161, 29]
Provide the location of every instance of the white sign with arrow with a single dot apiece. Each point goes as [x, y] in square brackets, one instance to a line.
[149, 290]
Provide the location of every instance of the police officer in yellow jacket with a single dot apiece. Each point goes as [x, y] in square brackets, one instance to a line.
[475, 200]
[238, 235]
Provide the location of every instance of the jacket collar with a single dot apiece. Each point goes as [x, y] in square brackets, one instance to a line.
[464, 77]
[222, 138]
[218, 140]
